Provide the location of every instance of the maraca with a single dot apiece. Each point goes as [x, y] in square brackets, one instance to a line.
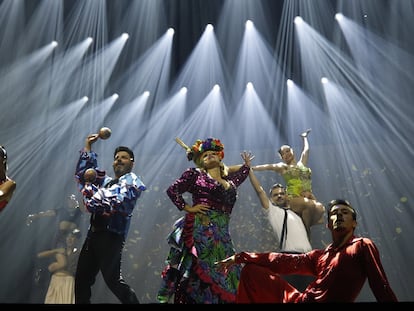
[105, 133]
[89, 175]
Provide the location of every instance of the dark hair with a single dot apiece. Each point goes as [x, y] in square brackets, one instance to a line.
[341, 202]
[283, 147]
[276, 186]
[126, 149]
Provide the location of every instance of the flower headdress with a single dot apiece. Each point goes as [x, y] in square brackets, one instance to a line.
[201, 146]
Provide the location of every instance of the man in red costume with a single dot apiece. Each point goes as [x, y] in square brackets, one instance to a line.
[340, 269]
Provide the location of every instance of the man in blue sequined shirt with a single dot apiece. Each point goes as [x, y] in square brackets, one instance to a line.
[111, 202]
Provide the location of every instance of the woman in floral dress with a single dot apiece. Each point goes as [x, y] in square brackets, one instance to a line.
[202, 237]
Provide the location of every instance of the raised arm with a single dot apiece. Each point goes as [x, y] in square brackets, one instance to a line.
[305, 152]
[276, 167]
[264, 200]
[234, 168]
[247, 158]
[48, 213]
[92, 138]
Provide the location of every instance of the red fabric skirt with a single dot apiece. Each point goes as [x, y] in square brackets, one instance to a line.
[260, 285]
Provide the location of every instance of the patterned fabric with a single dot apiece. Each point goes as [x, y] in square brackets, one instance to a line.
[201, 146]
[199, 240]
[112, 206]
[298, 180]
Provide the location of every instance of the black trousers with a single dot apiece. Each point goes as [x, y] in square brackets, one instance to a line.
[102, 251]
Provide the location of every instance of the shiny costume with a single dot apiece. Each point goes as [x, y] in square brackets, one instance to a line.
[111, 203]
[298, 180]
[340, 275]
[198, 241]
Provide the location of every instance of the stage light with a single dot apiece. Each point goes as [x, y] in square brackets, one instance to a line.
[209, 27]
[298, 20]
[170, 31]
[339, 16]
[249, 24]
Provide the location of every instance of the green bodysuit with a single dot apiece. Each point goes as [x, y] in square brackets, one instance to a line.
[298, 180]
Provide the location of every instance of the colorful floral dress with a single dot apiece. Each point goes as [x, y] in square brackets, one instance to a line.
[199, 240]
